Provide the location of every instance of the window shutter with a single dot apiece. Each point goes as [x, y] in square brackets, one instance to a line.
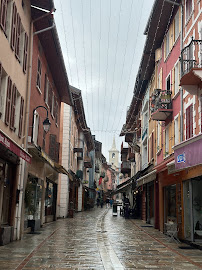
[0, 75]
[191, 121]
[56, 112]
[45, 85]
[152, 145]
[164, 140]
[21, 117]
[3, 14]
[160, 137]
[25, 53]
[13, 27]
[187, 122]
[18, 32]
[52, 145]
[50, 98]
[8, 101]
[170, 138]
[179, 14]
[13, 104]
[57, 151]
[173, 82]
[179, 128]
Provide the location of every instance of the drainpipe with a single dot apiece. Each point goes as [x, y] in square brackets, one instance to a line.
[181, 89]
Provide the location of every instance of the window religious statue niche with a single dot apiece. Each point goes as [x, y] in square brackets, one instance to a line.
[113, 155]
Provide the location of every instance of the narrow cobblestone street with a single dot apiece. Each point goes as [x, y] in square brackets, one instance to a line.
[96, 240]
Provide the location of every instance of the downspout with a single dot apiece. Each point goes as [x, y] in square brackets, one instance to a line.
[181, 71]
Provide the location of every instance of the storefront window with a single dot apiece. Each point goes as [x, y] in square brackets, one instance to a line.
[170, 204]
[33, 195]
[49, 199]
[197, 208]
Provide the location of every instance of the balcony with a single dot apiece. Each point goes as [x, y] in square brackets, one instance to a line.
[160, 104]
[87, 162]
[191, 57]
[125, 167]
[129, 137]
[131, 157]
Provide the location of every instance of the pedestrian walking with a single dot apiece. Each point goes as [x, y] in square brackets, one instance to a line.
[101, 202]
[111, 202]
[98, 202]
[107, 203]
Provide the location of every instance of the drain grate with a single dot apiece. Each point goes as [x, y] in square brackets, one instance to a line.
[187, 247]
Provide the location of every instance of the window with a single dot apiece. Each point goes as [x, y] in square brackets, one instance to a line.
[46, 88]
[56, 113]
[158, 137]
[176, 78]
[3, 14]
[8, 101]
[53, 106]
[21, 116]
[168, 83]
[189, 122]
[113, 155]
[167, 44]
[13, 106]
[188, 9]
[166, 141]
[35, 128]
[25, 53]
[176, 131]
[176, 25]
[50, 92]
[14, 27]
[38, 80]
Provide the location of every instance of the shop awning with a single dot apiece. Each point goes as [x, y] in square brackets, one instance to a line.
[14, 147]
[123, 188]
[146, 178]
[59, 168]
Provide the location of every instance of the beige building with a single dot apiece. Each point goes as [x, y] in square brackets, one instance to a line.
[15, 19]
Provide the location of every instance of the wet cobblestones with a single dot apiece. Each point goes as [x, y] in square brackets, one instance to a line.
[97, 240]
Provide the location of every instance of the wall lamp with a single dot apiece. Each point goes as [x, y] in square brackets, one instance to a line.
[46, 122]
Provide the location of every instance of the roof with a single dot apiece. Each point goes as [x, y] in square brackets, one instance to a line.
[45, 4]
[51, 46]
[153, 41]
[80, 116]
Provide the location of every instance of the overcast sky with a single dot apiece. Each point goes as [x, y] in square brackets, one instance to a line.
[102, 43]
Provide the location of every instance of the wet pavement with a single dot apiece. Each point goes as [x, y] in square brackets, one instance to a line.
[97, 240]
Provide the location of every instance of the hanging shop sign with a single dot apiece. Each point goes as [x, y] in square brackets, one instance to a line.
[15, 148]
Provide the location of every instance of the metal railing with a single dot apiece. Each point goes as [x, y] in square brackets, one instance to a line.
[191, 56]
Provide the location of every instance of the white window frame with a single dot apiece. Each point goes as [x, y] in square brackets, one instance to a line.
[35, 128]
[166, 141]
[176, 20]
[3, 93]
[176, 129]
[176, 74]
[39, 73]
[187, 18]
[167, 44]
[169, 76]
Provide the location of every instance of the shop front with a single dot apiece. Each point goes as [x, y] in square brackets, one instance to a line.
[188, 160]
[12, 158]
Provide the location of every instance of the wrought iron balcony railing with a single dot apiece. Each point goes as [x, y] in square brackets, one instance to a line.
[160, 104]
[191, 56]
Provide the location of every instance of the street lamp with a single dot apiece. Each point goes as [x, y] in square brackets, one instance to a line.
[46, 122]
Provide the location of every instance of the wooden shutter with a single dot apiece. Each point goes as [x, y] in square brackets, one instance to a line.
[13, 104]
[160, 136]
[0, 75]
[50, 97]
[164, 140]
[21, 117]
[13, 27]
[179, 137]
[180, 19]
[161, 79]
[191, 121]
[173, 82]
[56, 112]
[170, 138]
[8, 101]
[152, 145]
[57, 151]
[45, 85]
[187, 123]
[3, 14]
[25, 53]
[18, 32]
[52, 145]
